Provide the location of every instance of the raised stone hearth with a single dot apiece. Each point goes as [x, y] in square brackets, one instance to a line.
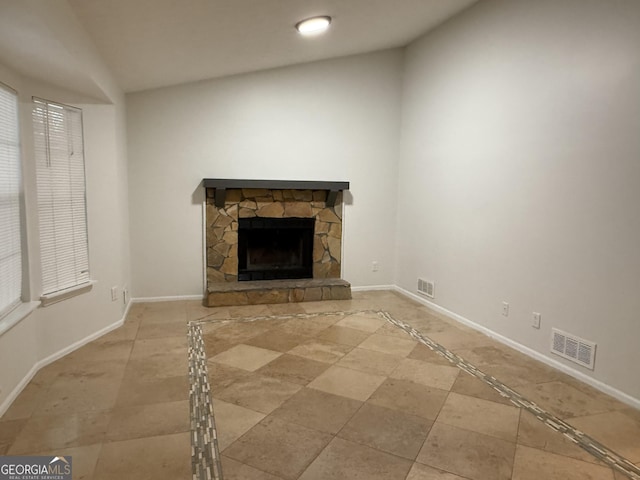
[277, 291]
[225, 205]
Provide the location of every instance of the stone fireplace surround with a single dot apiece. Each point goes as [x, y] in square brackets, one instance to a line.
[228, 200]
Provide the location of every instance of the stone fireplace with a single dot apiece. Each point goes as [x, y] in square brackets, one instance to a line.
[273, 241]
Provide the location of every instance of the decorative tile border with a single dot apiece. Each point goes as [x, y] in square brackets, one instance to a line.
[581, 439]
[205, 455]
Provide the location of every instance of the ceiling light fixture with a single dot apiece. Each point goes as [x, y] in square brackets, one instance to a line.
[313, 25]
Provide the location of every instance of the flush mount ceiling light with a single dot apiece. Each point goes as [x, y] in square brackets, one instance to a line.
[313, 25]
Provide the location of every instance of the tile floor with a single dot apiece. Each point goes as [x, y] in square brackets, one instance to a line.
[329, 397]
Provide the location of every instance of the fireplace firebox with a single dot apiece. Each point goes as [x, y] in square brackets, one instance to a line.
[275, 248]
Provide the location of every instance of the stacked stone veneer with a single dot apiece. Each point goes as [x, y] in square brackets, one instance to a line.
[222, 227]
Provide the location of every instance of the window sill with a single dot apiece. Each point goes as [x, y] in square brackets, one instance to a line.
[16, 315]
[51, 298]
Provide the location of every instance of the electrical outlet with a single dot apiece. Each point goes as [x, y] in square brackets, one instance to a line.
[505, 309]
[536, 320]
[125, 295]
[114, 294]
[375, 266]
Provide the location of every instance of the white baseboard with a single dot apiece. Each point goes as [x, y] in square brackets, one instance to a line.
[603, 387]
[57, 355]
[174, 298]
[367, 288]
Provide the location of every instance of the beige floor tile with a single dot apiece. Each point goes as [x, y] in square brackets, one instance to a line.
[392, 330]
[196, 310]
[237, 331]
[533, 464]
[387, 430]
[248, 311]
[471, 386]
[428, 324]
[422, 472]
[134, 391]
[214, 345]
[203, 313]
[481, 416]
[9, 430]
[161, 330]
[157, 366]
[140, 372]
[370, 361]
[104, 351]
[409, 397]
[164, 314]
[246, 357]
[234, 470]
[155, 346]
[149, 420]
[455, 339]
[632, 413]
[509, 366]
[70, 395]
[222, 376]
[308, 327]
[151, 458]
[615, 430]
[286, 309]
[431, 375]
[83, 461]
[128, 331]
[323, 306]
[343, 335]
[318, 410]
[176, 306]
[468, 454]
[51, 432]
[276, 339]
[233, 421]
[348, 383]
[321, 351]
[294, 369]
[280, 448]
[608, 400]
[389, 345]
[26, 402]
[258, 392]
[425, 354]
[73, 368]
[362, 321]
[343, 460]
[562, 400]
[534, 433]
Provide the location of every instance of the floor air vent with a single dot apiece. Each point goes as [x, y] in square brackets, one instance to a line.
[576, 349]
[426, 287]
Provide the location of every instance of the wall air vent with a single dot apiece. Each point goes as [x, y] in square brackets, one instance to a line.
[426, 288]
[576, 349]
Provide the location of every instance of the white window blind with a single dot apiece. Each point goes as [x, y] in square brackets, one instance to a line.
[10, 230]
[59, 153]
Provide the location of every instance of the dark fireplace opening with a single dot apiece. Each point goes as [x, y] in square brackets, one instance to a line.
[275, 248]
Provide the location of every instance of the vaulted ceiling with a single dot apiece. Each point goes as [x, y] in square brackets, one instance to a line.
[154, 43]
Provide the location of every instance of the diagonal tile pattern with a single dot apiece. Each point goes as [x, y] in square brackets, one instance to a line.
[318, 390]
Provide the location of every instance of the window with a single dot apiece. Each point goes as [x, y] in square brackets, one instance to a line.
[62, 213]
[10, 229]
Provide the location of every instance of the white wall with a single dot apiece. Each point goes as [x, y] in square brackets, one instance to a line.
[48, 332]
[519, 177]
[329, 120]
